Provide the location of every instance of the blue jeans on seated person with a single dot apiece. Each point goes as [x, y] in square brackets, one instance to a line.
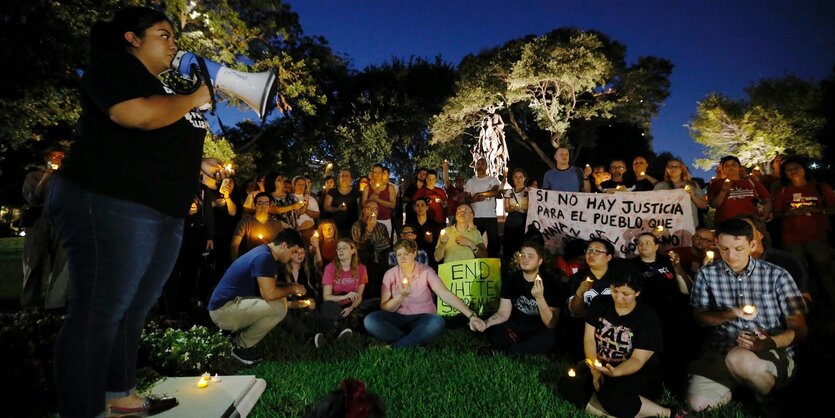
[120, 254]
[401, 331]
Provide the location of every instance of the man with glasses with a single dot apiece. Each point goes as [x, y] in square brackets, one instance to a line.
[618, 183]
[255, 230]
[408, 232]
[461, 241]
[695, 256]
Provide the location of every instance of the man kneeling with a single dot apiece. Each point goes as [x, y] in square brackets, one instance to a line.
[247, 301]
[757, 317]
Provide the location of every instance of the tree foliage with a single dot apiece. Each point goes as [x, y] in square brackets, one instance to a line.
[778, 115]
[545, 86]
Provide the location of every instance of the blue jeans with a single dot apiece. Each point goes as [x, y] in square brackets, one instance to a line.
[120, 254]
[404, 330]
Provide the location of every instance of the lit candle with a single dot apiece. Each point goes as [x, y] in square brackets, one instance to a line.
[443, 231]
[316, 234]
[428, 234]
[437, 200]
[343, 205]
[756, 167]
[206, 375]
[597, 363]
[572, 373]
[202, 383]
[405, 281]
[709, 256]
[727, 180]
[228, 168]
[643, 173]
[306, 302]
[749, 309]
[687, 187]
[216, 378]
[660, 228]
[620, 187]
[260, 236]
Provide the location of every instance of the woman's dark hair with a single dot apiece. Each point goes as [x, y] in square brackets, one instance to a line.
[630, 278]
[109, 36]
[269, 181]
[784, 179]
[610, 249]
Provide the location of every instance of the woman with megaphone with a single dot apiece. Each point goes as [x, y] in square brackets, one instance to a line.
[119, 203]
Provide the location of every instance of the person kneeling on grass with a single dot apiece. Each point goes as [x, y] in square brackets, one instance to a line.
[409, 315]
[528, 310]
[246, 300]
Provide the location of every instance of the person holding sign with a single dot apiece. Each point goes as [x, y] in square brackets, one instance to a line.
[676, 176]
[408, 315]
[621, 340]
[528, 310]
[461, 241]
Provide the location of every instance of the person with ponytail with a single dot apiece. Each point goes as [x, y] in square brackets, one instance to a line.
[119, 204]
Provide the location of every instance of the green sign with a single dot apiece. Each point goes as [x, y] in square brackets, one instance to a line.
[477, 282]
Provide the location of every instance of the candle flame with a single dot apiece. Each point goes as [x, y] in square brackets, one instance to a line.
[709, 254]
[443, 231]
[572, 373]
[749, 309]
[660, 228]
[643, 173]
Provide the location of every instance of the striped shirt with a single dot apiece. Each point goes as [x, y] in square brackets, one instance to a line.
[768, 287]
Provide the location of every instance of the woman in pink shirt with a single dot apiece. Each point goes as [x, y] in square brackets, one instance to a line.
[343, 283]
[408, 314]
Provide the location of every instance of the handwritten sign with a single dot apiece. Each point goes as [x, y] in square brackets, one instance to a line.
[618, 218]
[476, 282]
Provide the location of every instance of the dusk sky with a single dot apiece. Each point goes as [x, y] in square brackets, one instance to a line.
[716, 46]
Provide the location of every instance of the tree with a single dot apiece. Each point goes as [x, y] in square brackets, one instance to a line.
[389, 108]
[546, 85]
[779, 115]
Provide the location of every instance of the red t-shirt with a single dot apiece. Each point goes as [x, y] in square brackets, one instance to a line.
[741, 199]
[436, 197]
[804, 228]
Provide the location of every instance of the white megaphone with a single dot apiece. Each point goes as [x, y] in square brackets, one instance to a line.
[255, 89]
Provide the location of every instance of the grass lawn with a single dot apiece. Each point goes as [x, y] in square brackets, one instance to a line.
[445, 379]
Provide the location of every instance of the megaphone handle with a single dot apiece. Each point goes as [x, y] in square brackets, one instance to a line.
[204, 70]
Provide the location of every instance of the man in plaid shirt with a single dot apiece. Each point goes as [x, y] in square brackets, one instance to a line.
[756, 313]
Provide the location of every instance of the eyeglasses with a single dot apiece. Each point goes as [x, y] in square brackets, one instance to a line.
[615, 167]
[594, 251]
[262, 203]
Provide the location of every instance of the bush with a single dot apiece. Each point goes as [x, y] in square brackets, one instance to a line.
[184, 352]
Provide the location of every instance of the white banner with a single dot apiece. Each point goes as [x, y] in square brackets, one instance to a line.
[618, 218]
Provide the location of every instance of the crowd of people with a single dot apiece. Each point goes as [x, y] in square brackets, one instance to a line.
[364, 255]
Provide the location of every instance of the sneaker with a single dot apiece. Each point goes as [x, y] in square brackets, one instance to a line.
[246, 356]
[345, 334]
[319, 340]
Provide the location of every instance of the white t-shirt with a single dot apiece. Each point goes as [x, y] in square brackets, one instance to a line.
[487, 207]
[312, 205]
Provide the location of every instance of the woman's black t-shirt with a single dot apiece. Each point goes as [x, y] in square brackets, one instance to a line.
[618, 336]
[158, 168]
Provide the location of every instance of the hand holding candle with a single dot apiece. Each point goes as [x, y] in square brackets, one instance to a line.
[709, 256]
